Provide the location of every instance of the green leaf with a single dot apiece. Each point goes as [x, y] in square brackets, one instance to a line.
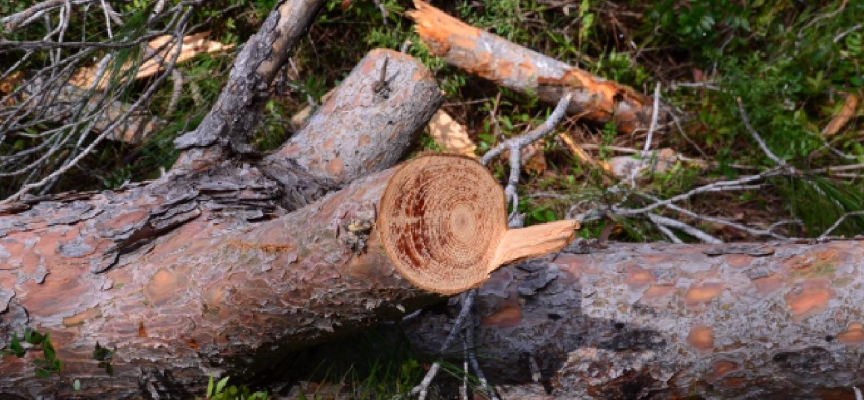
[33, 337]
[48, 348]
[506, 121]
[221, 384]
[15, 346]
[210, 387]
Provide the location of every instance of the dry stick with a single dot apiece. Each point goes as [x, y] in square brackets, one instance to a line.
[713, 187]
[846, 32]
[790, 170]
[467, 301]
[107, 19]
[756, 136]
[837, 223]
[383, 9]
[783, 169]
[515, 145]
[27, 16]
[469, 340]
[423, 387]
[463, 391]
[664, 230]
[645, 150]
[664, 222]
[405, 46]
[156, 84]
[51, 101]
[754, 232]
[176, 92]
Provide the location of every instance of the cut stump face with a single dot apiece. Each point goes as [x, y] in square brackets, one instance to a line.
[442, 221]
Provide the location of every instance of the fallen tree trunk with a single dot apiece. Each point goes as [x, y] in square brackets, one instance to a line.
[210, 293]
[672, 321]
[210, 272]
[507, 64]
[172, 276]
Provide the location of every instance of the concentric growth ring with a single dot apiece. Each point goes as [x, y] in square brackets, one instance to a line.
[440, 222]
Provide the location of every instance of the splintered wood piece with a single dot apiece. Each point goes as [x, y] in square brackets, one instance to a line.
[443, 224]
[513, 66]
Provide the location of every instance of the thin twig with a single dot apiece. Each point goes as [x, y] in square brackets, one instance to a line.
[422, 389]
[534, 135]
[472, 358]
[837, 223]
[631, 177]
[666, 231]
[107, 19]
[467, 301]
[144, 97]
[671, 223]
[756, 136]
[515, 145]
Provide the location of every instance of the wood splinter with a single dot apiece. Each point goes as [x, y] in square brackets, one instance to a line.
[443, 225]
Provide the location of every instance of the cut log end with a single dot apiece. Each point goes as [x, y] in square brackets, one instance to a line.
[443, 224]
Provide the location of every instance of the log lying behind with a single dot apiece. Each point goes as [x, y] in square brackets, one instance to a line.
[669, 321]
[515, 67]
[357, 129]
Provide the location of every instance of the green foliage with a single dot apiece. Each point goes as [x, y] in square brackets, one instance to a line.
[820, 202]
[377, 363]
[47, 365]
[221, 391]
[537, 214]
[104, 356]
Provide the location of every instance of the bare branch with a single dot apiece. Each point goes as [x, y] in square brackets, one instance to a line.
[756, 136]
[827, 233]
[36, 11]
[671, 223]
[645, 150]
[91, 119]
[515, 145]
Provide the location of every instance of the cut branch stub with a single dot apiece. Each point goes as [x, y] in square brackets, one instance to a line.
[443, 223]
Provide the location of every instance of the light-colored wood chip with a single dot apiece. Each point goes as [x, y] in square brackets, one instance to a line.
[193, 45]
[451, 135]
[846, 113]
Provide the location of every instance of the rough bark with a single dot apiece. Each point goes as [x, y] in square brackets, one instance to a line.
[353, 134]
[672, 321]
[208, 294]
[236, 113]
[513, 66]
[202, 272]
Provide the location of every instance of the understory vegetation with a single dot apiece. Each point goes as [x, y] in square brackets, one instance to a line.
[792, 70]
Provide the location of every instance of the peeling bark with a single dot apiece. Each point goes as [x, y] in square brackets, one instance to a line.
[236, 113]
[671, 321]
[201, 293]
[225, 268]
[513, 66]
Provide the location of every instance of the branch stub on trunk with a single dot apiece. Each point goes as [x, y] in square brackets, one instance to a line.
[443, 224]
